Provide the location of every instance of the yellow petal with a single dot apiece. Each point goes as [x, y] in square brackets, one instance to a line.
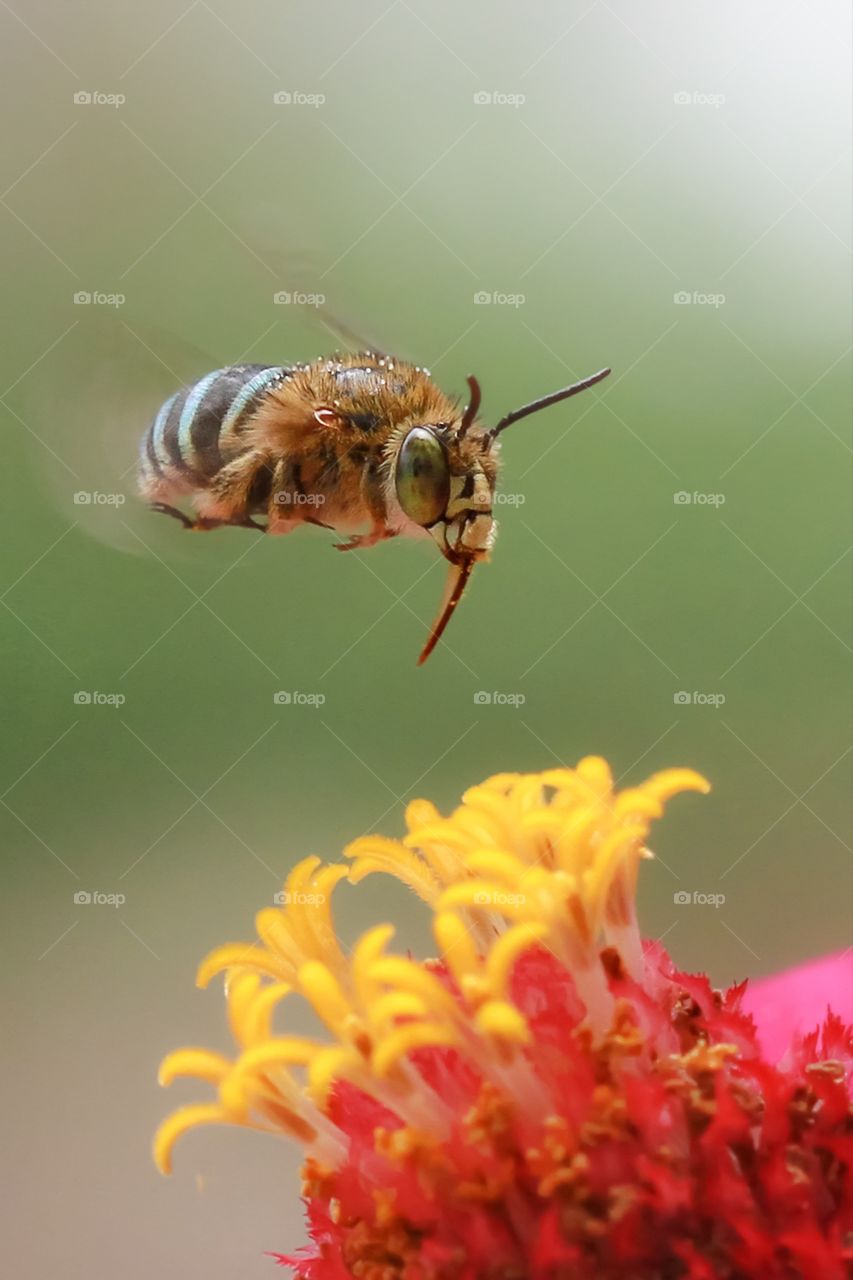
[406, 975]
[415, 1035]
[396, 1004]
[509, 946]
[329, 1065]
[367, 950]
[177, 1124]
[494, 864]
[320, 987]
[375, 853]
[456, 945]
[204, 1064]
[670, 782]
[256, 1026]
[503, 1021]
[239, 955]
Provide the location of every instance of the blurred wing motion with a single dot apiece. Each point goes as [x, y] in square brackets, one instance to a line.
[457, 580]
[108, 378]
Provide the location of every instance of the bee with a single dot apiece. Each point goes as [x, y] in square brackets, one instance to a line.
[363, 444]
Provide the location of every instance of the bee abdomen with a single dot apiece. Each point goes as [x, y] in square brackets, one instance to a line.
[198, 430]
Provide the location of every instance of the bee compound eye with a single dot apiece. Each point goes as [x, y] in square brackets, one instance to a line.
[422, 478]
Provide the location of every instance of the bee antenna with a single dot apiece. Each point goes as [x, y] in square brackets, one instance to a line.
[473, 406]
[546, 401]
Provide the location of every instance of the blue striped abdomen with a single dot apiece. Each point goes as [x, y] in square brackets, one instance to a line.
[183, 444]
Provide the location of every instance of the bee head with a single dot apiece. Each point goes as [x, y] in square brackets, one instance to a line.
[444, 480]
[444, 475]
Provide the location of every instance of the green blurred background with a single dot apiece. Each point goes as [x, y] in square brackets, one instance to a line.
[657, 151]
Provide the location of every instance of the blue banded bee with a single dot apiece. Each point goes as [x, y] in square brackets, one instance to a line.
[363, 444]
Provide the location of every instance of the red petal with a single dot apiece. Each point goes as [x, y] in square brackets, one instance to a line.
[796, 1001]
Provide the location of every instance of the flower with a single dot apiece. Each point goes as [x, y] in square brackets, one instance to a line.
[550, 1099]
[785, 1003]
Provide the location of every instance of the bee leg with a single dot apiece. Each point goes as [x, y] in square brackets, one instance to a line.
[204, 523]
[375, 510]
[359, 541]
[166, 510]
[248, 523]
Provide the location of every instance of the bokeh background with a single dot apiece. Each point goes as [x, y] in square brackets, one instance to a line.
[663, 188]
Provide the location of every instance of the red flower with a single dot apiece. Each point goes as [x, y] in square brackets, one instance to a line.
[550, 1100]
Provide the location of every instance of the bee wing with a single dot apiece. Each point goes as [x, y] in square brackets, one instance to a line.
[110, 373]
[300, 276]
[109, 376]
[457, 580]
[342, 333]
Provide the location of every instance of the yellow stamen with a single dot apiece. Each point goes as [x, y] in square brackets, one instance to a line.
[374, 853]
[507, 949]
[414, 1035]
[237, 955]
[503, 1021]
[328, 1066]
[326, 995]
[177, 1124]
[204, 1064]
[526, 860]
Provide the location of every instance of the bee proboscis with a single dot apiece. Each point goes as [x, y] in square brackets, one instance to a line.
[363, 444]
